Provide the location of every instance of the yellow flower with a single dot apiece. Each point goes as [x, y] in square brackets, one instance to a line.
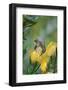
[35, 56]
[44, 58]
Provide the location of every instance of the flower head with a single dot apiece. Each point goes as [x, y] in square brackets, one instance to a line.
[43, 59]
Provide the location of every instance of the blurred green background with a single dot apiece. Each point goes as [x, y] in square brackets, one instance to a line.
[43, 28]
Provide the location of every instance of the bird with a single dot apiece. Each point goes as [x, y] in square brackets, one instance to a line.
[39, 46]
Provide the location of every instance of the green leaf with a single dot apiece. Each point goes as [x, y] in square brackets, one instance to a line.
[36, 67]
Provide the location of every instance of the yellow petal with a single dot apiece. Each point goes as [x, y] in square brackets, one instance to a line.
[50, 50]
[34, 56]
[44, 61]
[43, 66]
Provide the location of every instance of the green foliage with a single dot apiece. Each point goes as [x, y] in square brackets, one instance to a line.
[52, 65]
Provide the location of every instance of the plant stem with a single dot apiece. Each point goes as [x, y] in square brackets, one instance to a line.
[36, 67]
